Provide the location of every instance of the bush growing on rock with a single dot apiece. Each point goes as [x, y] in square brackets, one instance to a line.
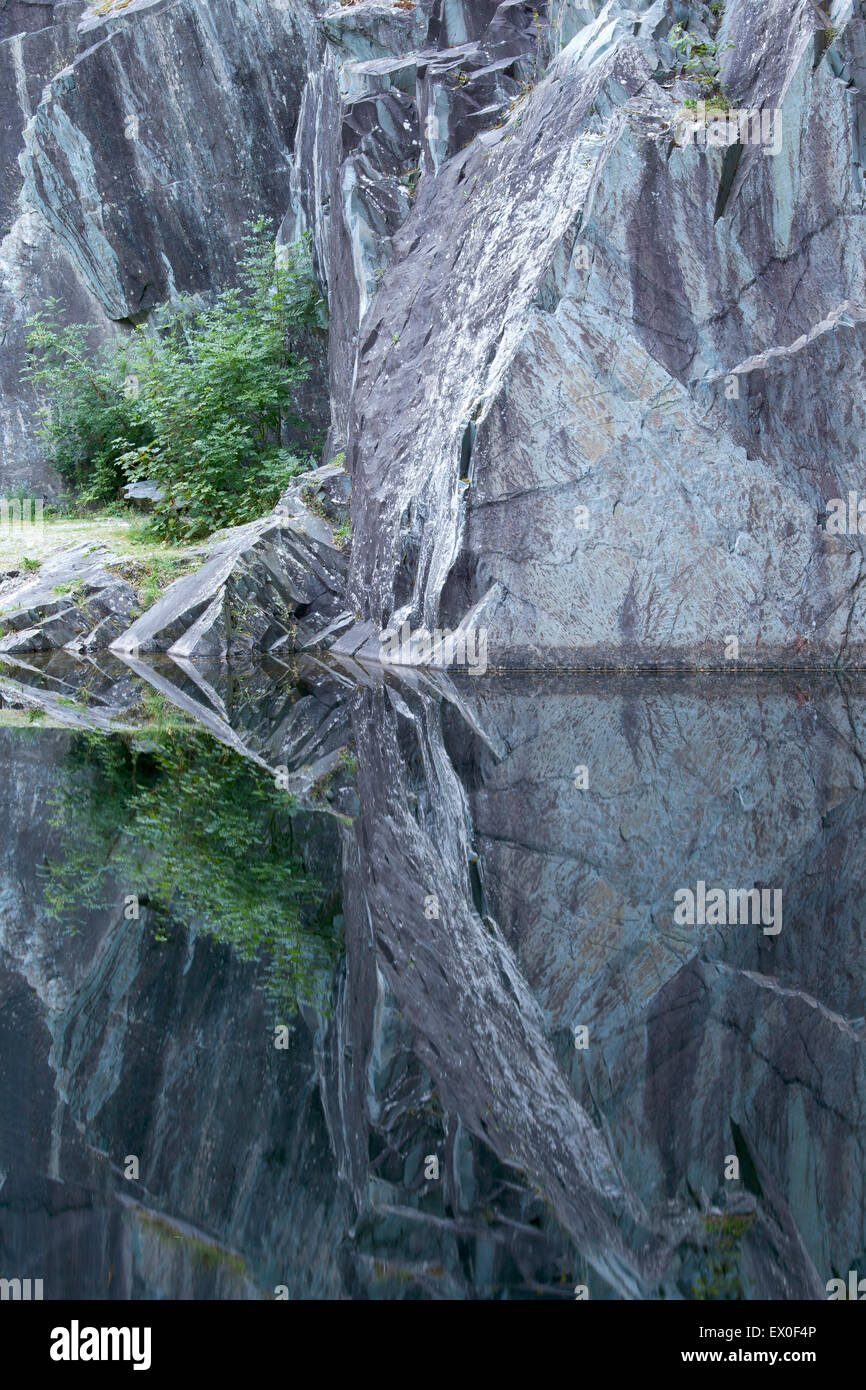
[199, 400]
[700, 58]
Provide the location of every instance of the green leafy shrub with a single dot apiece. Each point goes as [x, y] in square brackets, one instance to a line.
[721, 1278]
[700, 59]
[88, 420]
[199, 400]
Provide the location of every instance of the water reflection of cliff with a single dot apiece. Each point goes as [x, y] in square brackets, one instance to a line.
[490, 905]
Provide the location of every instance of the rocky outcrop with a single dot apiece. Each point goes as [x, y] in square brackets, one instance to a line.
[36, 41]
[74, 602]
[580, 369]
[394, 92]
[127, 182]
[275, 586]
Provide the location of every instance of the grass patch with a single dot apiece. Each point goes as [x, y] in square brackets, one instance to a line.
[152, 575]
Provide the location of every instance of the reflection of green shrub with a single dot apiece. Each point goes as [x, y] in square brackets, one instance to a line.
[721, 1278]
[201, 836]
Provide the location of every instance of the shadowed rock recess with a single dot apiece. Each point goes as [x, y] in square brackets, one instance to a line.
[593, 407]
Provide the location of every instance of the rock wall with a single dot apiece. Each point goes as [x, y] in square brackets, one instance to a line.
[608, 384]
[598, 388]
[146, 136]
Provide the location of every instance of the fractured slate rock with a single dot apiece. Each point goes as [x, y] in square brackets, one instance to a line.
[609, 385]
[147, 137]
[391, 94]
[273, 585]
[74, 602]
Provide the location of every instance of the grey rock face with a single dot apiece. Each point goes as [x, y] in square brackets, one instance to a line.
[74, 602]
[276, 585]
[35, 42]
[124, 185]
[581, 371]
[143, 492]
[34, 16]
[391, 95]
[596, 406]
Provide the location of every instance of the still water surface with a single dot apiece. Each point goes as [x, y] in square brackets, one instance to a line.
[336, 987]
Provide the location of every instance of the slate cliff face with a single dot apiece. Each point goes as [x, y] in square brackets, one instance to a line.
[609, 385]
[597, 388]
[596, 391]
